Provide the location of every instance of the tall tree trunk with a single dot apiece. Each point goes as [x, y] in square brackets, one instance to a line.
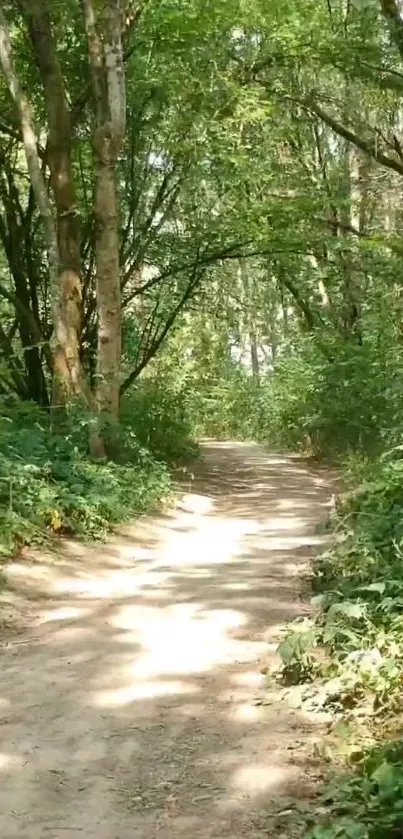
[28, 328]
[356, 176]
[12, 237]
[67, 378]
[104, 22]
[249, 320]
[31, 152]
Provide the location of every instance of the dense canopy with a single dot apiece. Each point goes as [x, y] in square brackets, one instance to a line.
[201, 233]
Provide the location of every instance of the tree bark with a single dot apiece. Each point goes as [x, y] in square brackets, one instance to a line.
[28, 327]
[249, 324]
[31, 150]
[356, 183]
[392, 12]
[68, 377]
[104, 24]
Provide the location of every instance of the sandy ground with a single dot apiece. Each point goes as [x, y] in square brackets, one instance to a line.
[128, 704]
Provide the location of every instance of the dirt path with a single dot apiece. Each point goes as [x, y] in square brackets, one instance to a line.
[128, 709]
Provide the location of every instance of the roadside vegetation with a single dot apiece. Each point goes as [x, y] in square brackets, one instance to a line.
[201, 235]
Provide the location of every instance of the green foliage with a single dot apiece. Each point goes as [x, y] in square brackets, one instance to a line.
[333, 406]
[353, 647]
[49, 484]
[259, 210]
[227, 407]
[296, 653]
[368, 803]
[338, 398]
[359, 601]
[158, 415]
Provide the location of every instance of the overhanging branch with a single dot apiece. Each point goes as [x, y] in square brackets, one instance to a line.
[368, 146]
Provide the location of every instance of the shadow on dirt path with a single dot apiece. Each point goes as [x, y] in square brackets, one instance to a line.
[128, 708]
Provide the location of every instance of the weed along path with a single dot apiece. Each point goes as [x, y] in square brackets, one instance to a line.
[128, 702]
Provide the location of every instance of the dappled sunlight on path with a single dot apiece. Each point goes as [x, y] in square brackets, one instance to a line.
[129, 709]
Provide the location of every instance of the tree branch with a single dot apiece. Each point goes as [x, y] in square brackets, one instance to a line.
[392, 13]
[369, 147]
[158, 340]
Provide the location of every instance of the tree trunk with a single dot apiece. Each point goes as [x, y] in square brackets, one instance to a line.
[254, 355]
[108, 285]
[104, 32]
[31, 151]
[12, 237]
[67, 378]
[356, 175]
[249, 320]
[30, 337]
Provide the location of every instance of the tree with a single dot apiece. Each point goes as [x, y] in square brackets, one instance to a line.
[34, 168]
[61, 233]
[67, 308]
[104, 24]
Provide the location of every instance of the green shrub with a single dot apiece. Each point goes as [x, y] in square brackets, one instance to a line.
[359, 595]
[366, 803]
[341, 398]
[49, 484]
[352, 649]
[228, 408]
[158, 416]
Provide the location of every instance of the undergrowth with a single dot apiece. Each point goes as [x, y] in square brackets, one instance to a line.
[48, 483]
[159, 415]
[366, 803]
[349, 656]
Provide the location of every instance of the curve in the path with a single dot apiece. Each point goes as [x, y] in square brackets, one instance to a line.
[128, 709]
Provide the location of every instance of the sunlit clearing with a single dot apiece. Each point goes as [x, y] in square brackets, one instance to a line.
[66, 613]
[36, 572]
[237, 586]
[8, 761]
[178, 639]
[71, 633]
[148, 690]
[132, 552]
[156, 593]
[259, 777]
[291, 504]
[275, 461]
[114, 584]
[215, 541]
[250, 679]
[200, 504]
[282, 543]
[227, 444]
[193, 710]
[151, 620]
[245, 712]
[287, 523]
[198, 573]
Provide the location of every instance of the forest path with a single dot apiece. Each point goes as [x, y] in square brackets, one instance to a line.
[128, 703]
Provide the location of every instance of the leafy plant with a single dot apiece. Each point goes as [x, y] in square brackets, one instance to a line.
[49, 485]
[367, 804]
[159, 418]
[297, 653]
[352, 649]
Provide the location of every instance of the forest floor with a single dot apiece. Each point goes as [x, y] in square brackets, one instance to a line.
[131, 697]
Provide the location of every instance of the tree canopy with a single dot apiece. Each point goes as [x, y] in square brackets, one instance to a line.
[201, 233]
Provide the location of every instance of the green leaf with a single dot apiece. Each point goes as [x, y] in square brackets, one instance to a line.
[286, 651]
[379, 587]
[347, 608]
[318, 600]
[385, 776]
